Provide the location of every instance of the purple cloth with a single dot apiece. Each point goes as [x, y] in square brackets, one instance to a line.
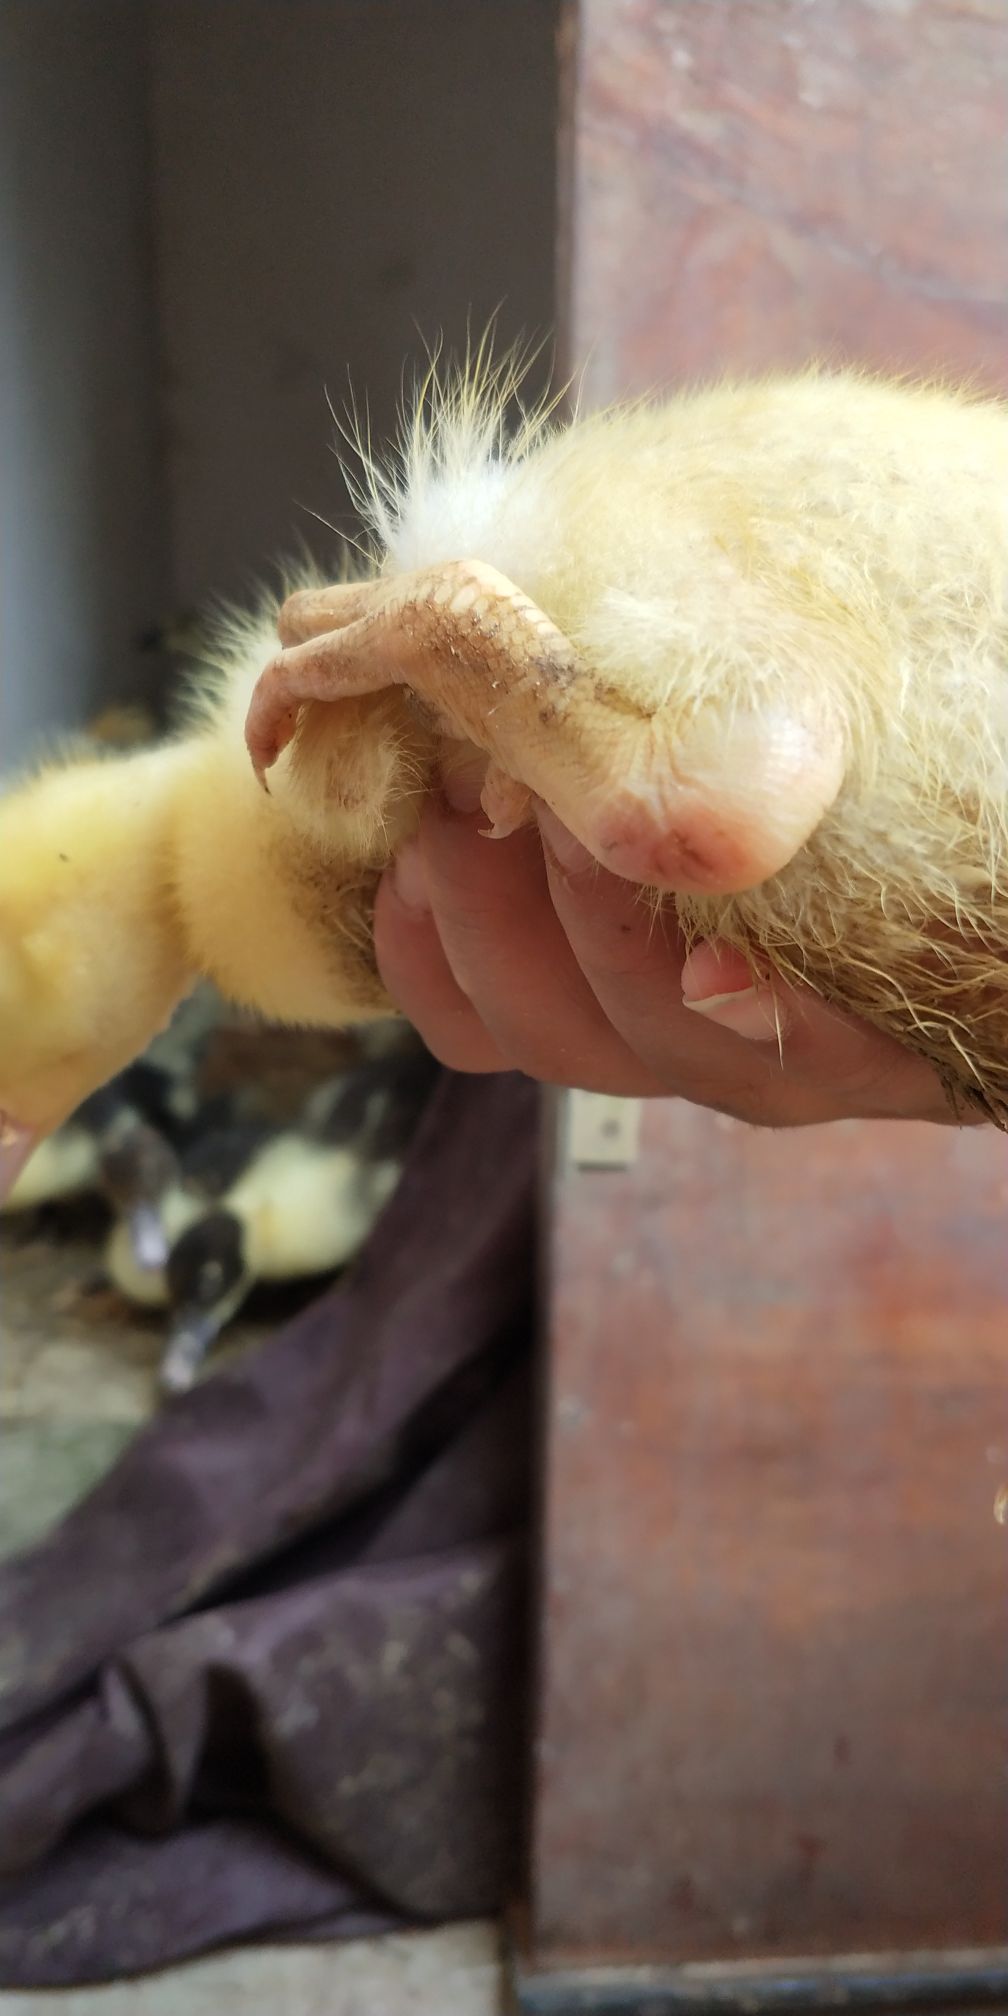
[269, 1676]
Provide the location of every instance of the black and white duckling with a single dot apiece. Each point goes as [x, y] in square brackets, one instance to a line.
[377, 1106]
[138, 1170]
[185, 1142]
[252, 1202]
[300, 1209]
[205, 1165]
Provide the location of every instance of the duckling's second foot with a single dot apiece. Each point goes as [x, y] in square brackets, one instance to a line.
[184, 1357]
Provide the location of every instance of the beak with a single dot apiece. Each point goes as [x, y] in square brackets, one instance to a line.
[188, 1344]
[16, 1144]
[147, 1239]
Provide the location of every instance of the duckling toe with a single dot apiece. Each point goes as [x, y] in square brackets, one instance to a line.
[710, 810]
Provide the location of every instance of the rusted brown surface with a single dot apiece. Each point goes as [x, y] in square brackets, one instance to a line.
[755, 181]
[773, 1691]
[773, 1716]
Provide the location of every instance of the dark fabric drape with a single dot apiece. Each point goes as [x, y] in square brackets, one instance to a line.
[269, 1676]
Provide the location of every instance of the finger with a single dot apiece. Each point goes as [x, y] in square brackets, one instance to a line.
[508, 953]
[417, 975]
[806, 1062]
[16, 1145]
[631, 957]
[820, 1045]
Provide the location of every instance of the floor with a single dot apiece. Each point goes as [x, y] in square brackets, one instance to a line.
[451, 1973]
[77, 1376]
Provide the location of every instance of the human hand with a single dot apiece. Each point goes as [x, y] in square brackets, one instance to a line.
[523, 954]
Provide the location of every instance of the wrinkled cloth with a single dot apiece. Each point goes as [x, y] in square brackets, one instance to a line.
[268, 1677]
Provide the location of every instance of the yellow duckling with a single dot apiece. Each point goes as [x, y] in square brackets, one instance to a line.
[749, 643]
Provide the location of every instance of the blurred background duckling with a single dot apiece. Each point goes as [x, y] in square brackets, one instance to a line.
[377, 1106]
[138, 1167]
[301, 1211]
[114, 1147]
[259, 1203]
[206, 1166]
[122, 1145]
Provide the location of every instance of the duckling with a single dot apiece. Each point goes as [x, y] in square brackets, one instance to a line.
[377, 1105]
[301, 1206]
[204, 1165]
[110, 1147]
[298, 1209]
[294, 1215]
[138, 1170]
[126, 1270]
[748, 642]
[124, 1144]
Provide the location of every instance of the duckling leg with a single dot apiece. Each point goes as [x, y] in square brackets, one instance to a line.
[714, 810]
[183, 1357]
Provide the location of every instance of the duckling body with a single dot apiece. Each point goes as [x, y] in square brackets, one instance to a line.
[750, 644]
[377, 1106]
[305, 1208]
[125, 1144]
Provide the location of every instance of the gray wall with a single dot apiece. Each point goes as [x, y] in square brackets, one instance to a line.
[331, 173]
[210, 212]
[80, 514]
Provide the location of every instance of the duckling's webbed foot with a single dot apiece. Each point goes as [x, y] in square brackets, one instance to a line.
[484, 662]
[183, 1358]
[712, 809]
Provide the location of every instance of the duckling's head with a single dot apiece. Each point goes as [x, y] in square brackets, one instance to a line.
[137, 1168]
[208, 1276]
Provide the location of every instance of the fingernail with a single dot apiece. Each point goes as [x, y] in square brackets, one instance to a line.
[409, 877]
[718, 983]
[462, 784]
[748, 1013]
[560, 842]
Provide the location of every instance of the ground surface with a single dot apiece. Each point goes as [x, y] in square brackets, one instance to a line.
[77, 1376]
[78, 1371]
[451, 1973]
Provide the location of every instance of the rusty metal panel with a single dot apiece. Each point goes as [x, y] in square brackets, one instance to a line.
[774, 1689]
[748, 183]
[772, 1696]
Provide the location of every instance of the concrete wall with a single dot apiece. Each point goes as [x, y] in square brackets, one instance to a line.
[80, 514]
[211, 212]
[330, 174]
